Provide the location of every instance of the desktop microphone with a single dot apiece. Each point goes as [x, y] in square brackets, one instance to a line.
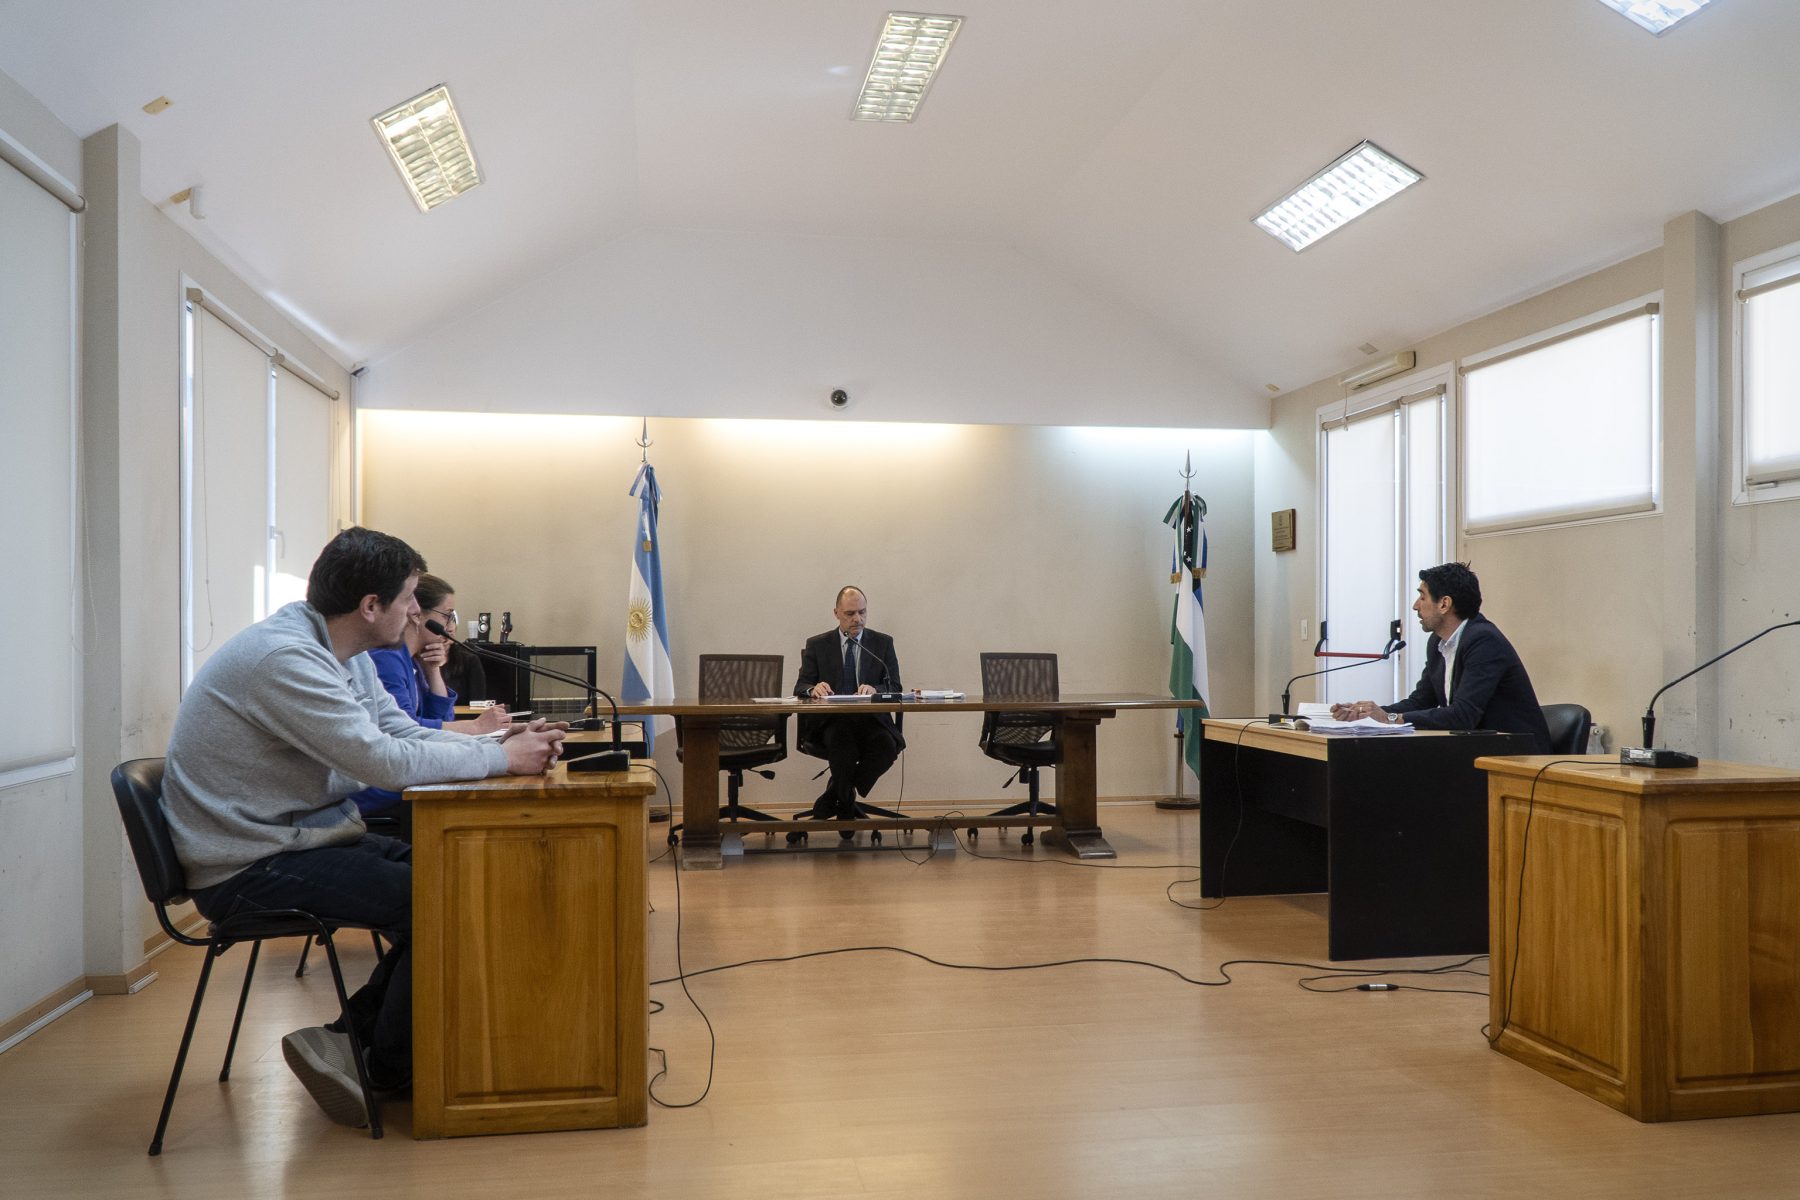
[1645, 756]
[616, 759]
[1394, 644]
[887, 674]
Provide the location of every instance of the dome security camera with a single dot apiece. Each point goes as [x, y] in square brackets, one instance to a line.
[840, 399]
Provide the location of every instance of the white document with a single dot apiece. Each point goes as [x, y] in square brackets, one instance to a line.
[942, 694]
[1367, 727]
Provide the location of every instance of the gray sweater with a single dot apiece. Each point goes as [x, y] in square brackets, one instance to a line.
[273, 736]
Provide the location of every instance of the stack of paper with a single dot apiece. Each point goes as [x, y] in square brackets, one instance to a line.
[1367, 727]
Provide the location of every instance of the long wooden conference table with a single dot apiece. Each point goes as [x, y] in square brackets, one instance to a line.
[1075, 827]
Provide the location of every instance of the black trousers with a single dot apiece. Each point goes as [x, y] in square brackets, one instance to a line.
[860, 750]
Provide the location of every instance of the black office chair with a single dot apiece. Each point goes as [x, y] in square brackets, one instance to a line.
[1027, 741]
[1569, 726]
[745, 743]
[137, 786]
[811, 746]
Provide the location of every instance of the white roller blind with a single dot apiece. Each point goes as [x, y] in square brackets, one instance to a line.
[1361, 498]
[37, 448]
[1564, 431]
[303, 444]
[1772, 376]
[229, 513]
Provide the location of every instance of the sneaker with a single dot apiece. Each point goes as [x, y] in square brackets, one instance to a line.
[322, 1061]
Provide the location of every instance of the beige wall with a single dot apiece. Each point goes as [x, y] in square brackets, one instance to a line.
[1603, 613]
[1759, 566]
[965, 537]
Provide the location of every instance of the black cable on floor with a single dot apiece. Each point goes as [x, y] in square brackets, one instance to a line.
[712, 1037]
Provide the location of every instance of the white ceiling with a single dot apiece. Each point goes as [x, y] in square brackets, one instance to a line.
[1554, 136]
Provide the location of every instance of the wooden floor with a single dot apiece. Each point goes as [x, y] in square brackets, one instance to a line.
[877, 1075]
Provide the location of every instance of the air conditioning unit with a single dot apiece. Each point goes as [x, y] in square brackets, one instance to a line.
[1375, 372]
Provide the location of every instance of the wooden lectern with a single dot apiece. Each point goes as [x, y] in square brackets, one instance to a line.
[1657, 941]
[529, 996]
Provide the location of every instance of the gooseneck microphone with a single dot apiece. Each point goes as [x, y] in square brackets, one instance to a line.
[1644, 756]
[616, 759]
[887, 672]
[1395, 645]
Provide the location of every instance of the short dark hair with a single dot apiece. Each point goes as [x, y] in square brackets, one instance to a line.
[1456, 581]
[433, 590]
[848, 587]
[360, 562]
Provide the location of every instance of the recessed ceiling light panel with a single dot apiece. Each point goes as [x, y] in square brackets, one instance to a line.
[1361, 178]
[426, 141]
[906, 59]
[1658, 16]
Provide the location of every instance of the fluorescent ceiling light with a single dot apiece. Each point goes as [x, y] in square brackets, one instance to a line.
[1658, 16]
[427, 143]
[907, 57]
[1361, 178]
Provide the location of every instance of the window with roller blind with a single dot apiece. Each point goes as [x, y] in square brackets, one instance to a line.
[257, 468]
[1767, 334]
[1383, 517]
[38, 297]
[1565, 426]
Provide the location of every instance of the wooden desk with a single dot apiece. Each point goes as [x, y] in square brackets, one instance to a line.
[1658, 945]
[529, 996]
[1075, 828]
[1394, 828]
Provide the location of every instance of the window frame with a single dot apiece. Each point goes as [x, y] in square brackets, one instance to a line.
[1442, 380]
[1787, 261]
[1567, 330]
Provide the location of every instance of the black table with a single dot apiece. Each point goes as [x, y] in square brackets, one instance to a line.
[1394, 828]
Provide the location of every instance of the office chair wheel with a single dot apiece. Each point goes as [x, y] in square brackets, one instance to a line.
[673, 838]
[846, 835]
[795, 837]
[875, 837]
[1027, 839]
[974, 833]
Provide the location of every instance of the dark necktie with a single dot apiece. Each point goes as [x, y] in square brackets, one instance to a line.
[847, 676]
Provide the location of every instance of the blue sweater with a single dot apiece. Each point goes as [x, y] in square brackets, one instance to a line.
[405, 682]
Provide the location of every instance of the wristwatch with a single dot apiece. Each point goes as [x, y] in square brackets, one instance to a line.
[1393, 718]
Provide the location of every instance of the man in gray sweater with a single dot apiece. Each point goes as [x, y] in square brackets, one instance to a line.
[276, 731]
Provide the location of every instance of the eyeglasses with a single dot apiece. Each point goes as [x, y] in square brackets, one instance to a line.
[449, 616]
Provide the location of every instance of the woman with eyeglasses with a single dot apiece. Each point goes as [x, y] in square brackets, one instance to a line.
[412, 671]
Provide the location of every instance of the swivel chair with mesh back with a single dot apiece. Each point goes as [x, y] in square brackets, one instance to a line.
[745, 743]
[811, 746]
[1027, 741]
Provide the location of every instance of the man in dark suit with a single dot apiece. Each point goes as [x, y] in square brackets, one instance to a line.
[1473, 678]
[844, 661]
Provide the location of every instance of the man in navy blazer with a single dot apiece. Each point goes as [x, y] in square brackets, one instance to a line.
[1473, 678]
[844, 661]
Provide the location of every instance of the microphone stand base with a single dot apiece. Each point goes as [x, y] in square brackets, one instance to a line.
[605, 760]
[1644, 756]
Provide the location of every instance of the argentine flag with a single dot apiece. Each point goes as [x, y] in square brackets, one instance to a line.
[649, 674]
